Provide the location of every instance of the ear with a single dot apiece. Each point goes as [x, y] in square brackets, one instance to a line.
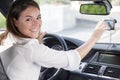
[15, 22]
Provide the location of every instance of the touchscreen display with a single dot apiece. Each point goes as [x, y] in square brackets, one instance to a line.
[109, 59]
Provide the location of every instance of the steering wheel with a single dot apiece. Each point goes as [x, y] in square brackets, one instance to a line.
[52, 73]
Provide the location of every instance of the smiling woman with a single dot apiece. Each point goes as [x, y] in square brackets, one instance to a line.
[29, 23]
[23, 60]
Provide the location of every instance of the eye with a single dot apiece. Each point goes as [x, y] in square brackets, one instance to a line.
[28, 19]
[39, 17]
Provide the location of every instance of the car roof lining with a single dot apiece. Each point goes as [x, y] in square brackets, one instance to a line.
[4, 6]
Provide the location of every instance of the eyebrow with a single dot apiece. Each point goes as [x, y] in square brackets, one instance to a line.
[31, 16]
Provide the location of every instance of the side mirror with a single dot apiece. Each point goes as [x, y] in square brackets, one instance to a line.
[96, 8]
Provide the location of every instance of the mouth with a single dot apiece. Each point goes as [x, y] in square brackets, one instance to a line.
[34, 30]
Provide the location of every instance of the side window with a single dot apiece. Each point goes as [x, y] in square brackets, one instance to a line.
[2, 22]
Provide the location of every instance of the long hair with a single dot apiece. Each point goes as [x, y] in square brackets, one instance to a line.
[14, 12]
[3, 36]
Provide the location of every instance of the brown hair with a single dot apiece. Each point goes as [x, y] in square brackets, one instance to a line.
[3, 36]
[15, 11]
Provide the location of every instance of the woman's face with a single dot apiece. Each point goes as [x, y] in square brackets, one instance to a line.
[29, 22]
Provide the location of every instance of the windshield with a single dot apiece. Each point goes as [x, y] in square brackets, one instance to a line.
[66, 20]
[63, 17]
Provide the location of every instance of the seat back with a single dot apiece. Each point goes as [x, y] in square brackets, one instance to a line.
[3, 75]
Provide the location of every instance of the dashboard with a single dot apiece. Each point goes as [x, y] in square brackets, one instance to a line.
[102, 62]
[102, 66]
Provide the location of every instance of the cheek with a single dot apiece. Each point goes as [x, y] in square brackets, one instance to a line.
[20, 24]
[40, 25]
[23, 27]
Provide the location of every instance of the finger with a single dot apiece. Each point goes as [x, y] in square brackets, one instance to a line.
[42, 34]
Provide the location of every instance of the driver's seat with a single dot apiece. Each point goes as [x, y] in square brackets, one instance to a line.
[3, 75]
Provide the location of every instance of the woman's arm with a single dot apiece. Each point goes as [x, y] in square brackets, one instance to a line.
[87, 46]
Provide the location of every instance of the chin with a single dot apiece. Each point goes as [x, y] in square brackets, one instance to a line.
[34, 36]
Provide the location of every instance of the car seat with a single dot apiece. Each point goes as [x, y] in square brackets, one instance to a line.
[3, 75]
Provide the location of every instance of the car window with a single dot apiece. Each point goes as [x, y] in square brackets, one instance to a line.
[2, 22]
[63, 17]
[66, 20]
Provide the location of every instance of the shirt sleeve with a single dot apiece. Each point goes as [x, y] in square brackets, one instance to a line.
[47, 57]
[74, 60]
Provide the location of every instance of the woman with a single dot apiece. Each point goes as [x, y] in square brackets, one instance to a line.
[24, 59]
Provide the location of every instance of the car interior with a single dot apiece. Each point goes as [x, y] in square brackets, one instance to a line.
[102, 62]
[3, 75]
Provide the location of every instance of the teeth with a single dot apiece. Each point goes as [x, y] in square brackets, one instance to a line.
[33, 30]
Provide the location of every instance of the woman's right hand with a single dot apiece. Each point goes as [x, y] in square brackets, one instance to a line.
[99, 29]
[88, 45]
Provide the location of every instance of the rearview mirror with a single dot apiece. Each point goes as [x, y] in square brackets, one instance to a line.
[94, 9]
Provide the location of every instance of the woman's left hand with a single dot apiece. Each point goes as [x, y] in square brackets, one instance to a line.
[40, 37]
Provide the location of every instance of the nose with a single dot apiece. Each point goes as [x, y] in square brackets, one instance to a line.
[36, 22]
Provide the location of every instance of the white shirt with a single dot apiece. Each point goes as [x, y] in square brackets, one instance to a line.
[8, 42]
[23, 60]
